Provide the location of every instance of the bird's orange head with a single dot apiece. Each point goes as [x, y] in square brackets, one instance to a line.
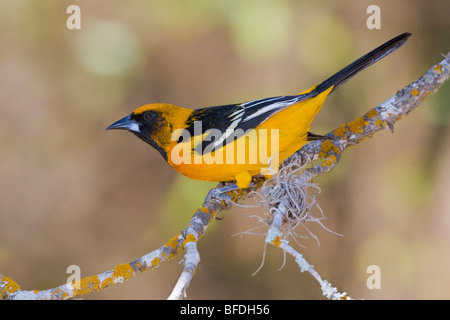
[154, 123]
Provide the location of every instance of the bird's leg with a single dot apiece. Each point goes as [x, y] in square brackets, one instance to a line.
[221, 194]
[226, 188]
[314, 136]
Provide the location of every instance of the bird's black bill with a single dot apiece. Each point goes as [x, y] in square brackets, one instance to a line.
[127, 123]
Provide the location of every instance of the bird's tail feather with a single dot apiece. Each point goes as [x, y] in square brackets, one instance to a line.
[368, 59]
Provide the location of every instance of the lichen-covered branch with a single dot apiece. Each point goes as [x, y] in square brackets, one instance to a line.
[288, 204]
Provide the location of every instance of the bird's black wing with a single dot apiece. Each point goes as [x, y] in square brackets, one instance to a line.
[229, 122]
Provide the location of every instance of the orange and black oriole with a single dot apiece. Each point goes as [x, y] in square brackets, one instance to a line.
[240, 140]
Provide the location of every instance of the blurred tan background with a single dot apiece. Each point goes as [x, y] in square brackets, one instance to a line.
[73, 193]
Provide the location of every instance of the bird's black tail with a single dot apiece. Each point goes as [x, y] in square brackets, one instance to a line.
[370, 58]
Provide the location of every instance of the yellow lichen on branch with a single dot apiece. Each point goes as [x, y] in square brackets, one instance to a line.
[7, 287]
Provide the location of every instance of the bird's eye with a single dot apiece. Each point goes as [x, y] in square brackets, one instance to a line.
[147, 116]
